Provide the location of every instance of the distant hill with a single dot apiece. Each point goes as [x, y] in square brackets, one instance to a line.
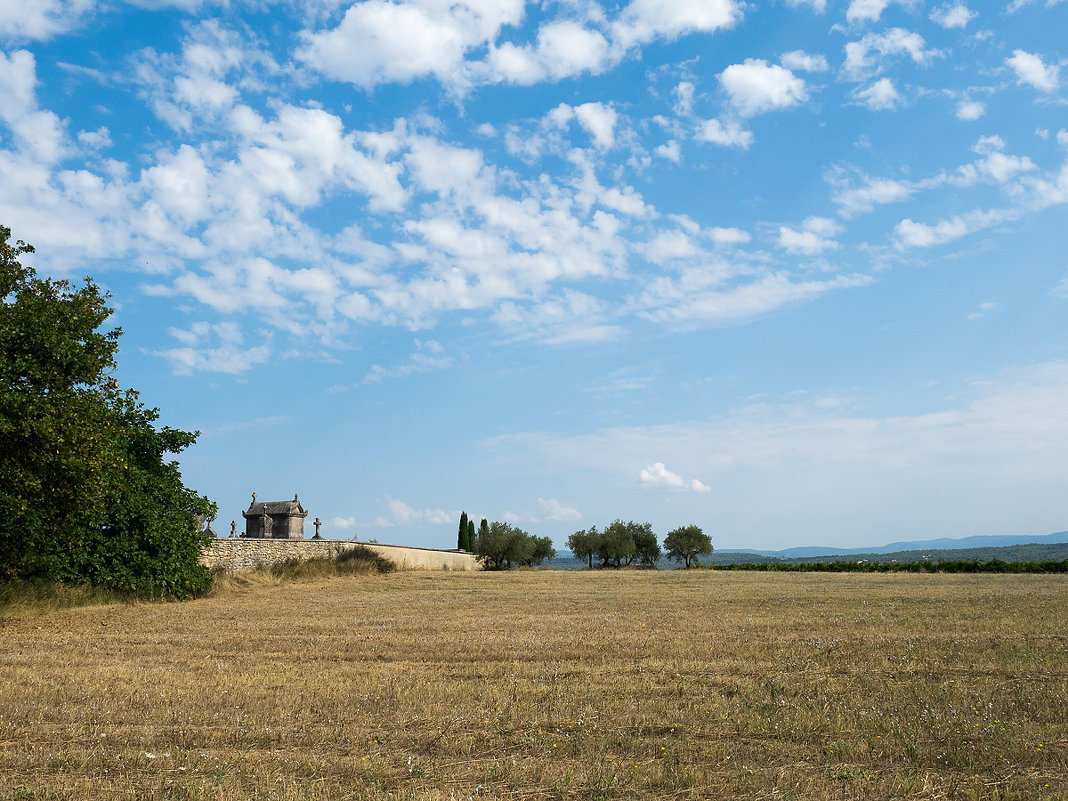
[1009, 548]
[993, 541]
[1007, 553]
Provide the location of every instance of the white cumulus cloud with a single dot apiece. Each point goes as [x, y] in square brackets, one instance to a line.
[880, 96]
[914, 234]
[868, 10]
[658, 476]
[563, 48]
[995, 163]
[956, 16]
[599, 120]
[729, 236]
[804, 62]
[970, 110]
[552, 509]
[730, 134]
[1031, 70]
[755, 86]
[645, 20]
[218, 348]
[382, 42]
[819, 6]
[42, 19]
[405, 515]
[670, 150]
[814, 237]
[39, 134]
[869, 54]
[853, 200]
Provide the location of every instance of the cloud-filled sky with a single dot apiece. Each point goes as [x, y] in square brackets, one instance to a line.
[796, 272]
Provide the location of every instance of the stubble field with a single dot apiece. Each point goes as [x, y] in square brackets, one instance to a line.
[549, 684]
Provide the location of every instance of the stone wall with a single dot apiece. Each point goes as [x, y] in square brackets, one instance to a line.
[425, 558]
[236, 554]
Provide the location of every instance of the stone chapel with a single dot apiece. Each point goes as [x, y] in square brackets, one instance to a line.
[274, 520]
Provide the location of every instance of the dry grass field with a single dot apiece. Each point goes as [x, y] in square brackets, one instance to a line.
[548, 685]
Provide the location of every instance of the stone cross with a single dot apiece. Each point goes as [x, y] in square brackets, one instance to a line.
[233, 528]
[317, 523]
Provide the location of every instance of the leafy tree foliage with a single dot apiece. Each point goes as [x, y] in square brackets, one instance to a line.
[541, 551]
[87, 493]
[585, 544]
[54, 386]
[618, 545]
[149, 539]
[500, 546]
[686, 544]
[646, 548]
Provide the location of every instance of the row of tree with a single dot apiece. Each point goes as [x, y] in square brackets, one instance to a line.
[618, 545]
[621, 544]
[500, 546]
[87, 494]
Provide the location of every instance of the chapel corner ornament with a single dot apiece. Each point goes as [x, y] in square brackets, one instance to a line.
[275, 520]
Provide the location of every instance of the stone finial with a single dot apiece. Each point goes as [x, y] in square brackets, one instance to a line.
[296, 498]
[233, 528]
[254, 497]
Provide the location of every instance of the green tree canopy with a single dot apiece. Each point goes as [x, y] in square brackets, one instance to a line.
[617, 545]
[585, 544]
[541, 550]
[686, 544]
[646, 548]
[89, 494]
[500, 546]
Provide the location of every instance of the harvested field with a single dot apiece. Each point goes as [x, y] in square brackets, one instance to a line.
[547, 684]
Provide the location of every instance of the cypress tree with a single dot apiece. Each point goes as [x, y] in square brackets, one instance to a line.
[461, 535]
[470, 536]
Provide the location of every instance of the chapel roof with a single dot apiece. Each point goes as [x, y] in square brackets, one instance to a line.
[292, 508]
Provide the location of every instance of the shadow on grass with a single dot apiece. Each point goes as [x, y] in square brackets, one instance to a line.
[29, 598]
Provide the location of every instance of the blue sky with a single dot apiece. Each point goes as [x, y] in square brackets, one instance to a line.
[796, 272]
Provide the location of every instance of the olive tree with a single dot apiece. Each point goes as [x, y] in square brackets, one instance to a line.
[686, 543]
[500, 546]
[585, 544]
[646, 548]
[617, 545]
